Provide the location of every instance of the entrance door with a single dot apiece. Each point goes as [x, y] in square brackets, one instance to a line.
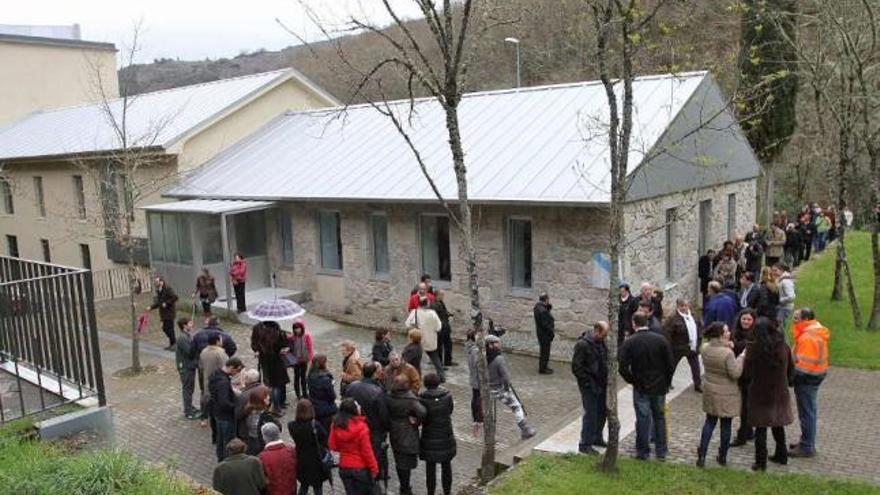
[249, 239]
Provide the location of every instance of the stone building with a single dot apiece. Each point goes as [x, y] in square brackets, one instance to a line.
[335, 204]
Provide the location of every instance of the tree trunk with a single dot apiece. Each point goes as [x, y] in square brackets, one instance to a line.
[853, 302]
[609, 461]
[874, 322]
[132, 279]
[836, 291]
[766, 195]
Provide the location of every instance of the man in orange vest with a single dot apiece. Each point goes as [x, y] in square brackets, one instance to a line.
[810, 352]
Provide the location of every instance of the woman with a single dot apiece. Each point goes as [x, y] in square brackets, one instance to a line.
[254, 415]
[268, 341]
[725, 270]
[321, 391]
[412, 353]
[382, 346]
[302, 350]
[206, 291]
[425, 319]
[444, 342]
[743, 335]
[769, 366]
[721, 398]
[350, 436]
[406, 413]
[438, 438]
[310, 437]
[352, 367]
[770, 303]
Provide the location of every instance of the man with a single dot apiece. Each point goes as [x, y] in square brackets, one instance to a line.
[250, 381]
[645, 361]
[705, 270]
[212, 326]
[628, 306]
[806, 231]
[166, 301]
[751, 295]
[720, 307]
[422, 290]
[775, 245]
[211, 359]
[238, 274]
[369, 393]
[425, 319]
[591, 371]
[684, 333]
[223, 403]
[187, 363]
[545, 328]
[424, 279]
[397, 366]
[810, 352]
[239, 474]
[792, 245]
[501, 388]
[646, 308]
[279, 462]
[786, 293]
[648, 293]
[444, 343]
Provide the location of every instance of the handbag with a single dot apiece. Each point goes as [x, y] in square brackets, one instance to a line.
[328, 462]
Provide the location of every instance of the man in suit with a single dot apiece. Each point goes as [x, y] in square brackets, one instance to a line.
[751, 295]
[705, 269]
[684, 333]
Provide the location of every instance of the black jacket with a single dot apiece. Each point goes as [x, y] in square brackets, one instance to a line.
[166, 301]
[184, 352]
[646, 362]
[792, 240]
[222, 396]
[589, 364]
[755, 298]
[404, 434]
[322, 394]
[676, 333]
[412, 354]
[374, 403]
[442, 311]
[308, 460]
[754, 255]
[625, 312]
[200, 341]
[438, 437]
[544, 322]
[705, 268]
[769, 303]
[381, 350]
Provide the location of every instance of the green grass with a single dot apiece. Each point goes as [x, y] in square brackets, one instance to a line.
[31, 467]
[577, 475]
[849, 347]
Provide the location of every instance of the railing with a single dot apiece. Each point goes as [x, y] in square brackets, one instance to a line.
[48, 337]
[113, 283]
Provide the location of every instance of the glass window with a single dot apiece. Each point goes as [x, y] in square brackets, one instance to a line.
[6, 192]
[79, 194]
[38, 196]
[285, 232]
[520, 255]
[12, 246]
[212, 241]
[379, 227]
[184, 241]
[86, 254]
[157, 237]
[47, 255]
[670, 243]
[169, 229]
[705, 226]
[329, 227]
[435, 247]
[731, 216]
[250, 233]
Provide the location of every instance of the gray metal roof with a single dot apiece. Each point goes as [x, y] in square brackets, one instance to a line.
[67, 31]
[209, 206]
[541, 144]
[155, 119]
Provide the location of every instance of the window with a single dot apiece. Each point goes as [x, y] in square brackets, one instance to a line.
[170, 239]
[12, 246]
[79, 194]
[38, 197]
[250, 233]
[435, 247]
[671, 214]
[47, 256]
[285, 232]
[6, 192]
[379, 229]
[330, 240]
[731, 216]
[520, 252]
[86, 255]
[157, 239]
[212, 241]
[184, 240]
[705, 226]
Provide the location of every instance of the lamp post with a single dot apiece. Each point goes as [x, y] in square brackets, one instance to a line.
[515, 42]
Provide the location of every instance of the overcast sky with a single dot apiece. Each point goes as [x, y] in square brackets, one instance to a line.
[195, 29]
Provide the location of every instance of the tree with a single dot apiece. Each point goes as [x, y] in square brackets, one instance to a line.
[768, 77]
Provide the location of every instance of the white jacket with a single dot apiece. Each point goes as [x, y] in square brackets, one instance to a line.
[786, 291]
[426, 320]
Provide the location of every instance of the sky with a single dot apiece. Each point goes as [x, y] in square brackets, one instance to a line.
[196, 29]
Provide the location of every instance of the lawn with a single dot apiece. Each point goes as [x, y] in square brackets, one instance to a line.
[850, 347]
[577, 475]
[32, 467]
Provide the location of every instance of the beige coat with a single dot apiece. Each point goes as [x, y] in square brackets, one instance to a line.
[722, 370]
[429, 323]
[353, 369]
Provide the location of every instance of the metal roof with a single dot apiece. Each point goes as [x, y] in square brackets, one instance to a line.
[540, 144]
[67, 31]
[157, 119]
[209, 206]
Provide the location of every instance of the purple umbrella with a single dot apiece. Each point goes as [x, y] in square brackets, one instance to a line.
[277, 310]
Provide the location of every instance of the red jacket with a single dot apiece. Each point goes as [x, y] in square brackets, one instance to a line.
[414, 301]
[353, 445]
[238, 271]
[279, 464]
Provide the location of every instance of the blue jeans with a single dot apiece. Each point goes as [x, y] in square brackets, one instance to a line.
[709, 429]
[356, 481]
[593, 420]
[225, 433]
[819, 241]
[650, 413]
[806, 393]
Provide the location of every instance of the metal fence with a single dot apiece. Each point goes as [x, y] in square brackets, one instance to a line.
[48, 337]
[113, 283]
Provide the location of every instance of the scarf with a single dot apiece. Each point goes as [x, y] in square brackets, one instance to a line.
[692, 329]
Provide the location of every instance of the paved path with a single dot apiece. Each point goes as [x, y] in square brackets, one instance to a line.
[148, 416]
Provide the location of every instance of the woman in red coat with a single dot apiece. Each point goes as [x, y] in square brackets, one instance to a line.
[350, 436]
[279, 462]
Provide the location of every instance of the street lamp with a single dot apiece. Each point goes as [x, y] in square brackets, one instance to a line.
[515, 42]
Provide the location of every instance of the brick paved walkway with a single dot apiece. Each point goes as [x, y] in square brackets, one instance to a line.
[148, 417]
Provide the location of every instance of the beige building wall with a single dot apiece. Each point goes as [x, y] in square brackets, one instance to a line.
[45, 75]
[291, 95]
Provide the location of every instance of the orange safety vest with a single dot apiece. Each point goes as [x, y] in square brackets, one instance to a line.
[810, 350]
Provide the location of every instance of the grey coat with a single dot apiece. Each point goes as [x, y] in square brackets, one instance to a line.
[721, 396]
